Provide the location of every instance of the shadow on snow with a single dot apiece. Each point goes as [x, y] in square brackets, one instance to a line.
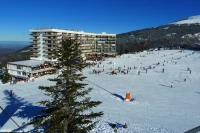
[165, 85]
[114, 94]
[18, 107]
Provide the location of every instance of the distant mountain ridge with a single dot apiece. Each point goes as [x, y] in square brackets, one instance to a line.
[183, 33]
[7, 47]
[14, 44]
[18, 55]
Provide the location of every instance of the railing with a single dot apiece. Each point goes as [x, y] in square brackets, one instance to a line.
[86, 50]
[35, 39]
[35, 42]
[34, 46]
[34, 50]
[34, 34]
[51, 39]
[45, 35]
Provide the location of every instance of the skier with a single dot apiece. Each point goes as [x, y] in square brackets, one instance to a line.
[127, 71]
[190, 71]
[125, 125]
[146, 70]
[184, 79]
[163, 70]
[10, 93]
[115, 129]
[172, 85]
[138, 72]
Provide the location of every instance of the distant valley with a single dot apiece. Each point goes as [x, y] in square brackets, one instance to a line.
[7, 47]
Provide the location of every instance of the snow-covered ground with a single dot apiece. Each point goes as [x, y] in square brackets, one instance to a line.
[155, 107]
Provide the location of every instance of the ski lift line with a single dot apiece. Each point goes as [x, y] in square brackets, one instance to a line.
[10, 118]
[135, 75]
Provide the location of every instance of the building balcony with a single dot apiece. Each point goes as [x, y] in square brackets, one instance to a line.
[34, 34]
[111, 39]
[34, 50]
[49, 55]
[52, 39]
[35, 55]
[100, 41]
[86, 51]
[34, 46]
[87, 44]
[48, 52]
[35, 39]
[47, 43]
[48, 47]
[35, 43]
[53, 35]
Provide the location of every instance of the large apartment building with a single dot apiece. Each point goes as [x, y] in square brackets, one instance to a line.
[44, 42]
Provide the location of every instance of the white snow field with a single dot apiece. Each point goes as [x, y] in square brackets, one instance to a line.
[155, 107]
[189, 20]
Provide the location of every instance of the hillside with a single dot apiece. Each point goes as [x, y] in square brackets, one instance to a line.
[183, 33]
[4, 51]
[22, 54]
[155, 107]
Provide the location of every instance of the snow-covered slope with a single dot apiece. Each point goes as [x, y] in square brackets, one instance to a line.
[156, 107]
[190, 20]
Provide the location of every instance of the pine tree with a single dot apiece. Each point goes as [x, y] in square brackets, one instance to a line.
[6, 77]
[69, 108]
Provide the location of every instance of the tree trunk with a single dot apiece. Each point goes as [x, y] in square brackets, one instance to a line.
[65, 126]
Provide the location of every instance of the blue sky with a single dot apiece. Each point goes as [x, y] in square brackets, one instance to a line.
[111, 16]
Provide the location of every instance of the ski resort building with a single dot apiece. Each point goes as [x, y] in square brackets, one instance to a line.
[44, 42]
[29, 68]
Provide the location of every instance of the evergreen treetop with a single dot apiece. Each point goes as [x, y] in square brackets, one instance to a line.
[68, 108]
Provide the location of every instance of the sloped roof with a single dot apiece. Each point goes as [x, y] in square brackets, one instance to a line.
[31, 63]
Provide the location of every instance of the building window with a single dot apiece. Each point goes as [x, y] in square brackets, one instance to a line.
[19, 67]
[18, 72]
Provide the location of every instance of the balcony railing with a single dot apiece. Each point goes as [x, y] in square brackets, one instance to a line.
[35, 39]
[34, 34]
[46, 35]
[49, 55]
[35, 42]
[48, 43]
[48, 47]
[34, 46]
[34, 50]
[46, 51]
[34, 55]
[52, 39]
[85, 51]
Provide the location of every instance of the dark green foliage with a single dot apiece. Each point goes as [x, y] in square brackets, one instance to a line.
[165, 35]
[68, 107]
[6, 77]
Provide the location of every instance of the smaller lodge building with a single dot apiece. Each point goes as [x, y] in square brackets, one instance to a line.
[29, 68]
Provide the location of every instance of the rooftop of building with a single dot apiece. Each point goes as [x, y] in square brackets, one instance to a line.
[66, 31]
[31, 63]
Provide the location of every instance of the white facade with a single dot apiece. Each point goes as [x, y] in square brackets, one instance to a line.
[23, 68]
[44, 41]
